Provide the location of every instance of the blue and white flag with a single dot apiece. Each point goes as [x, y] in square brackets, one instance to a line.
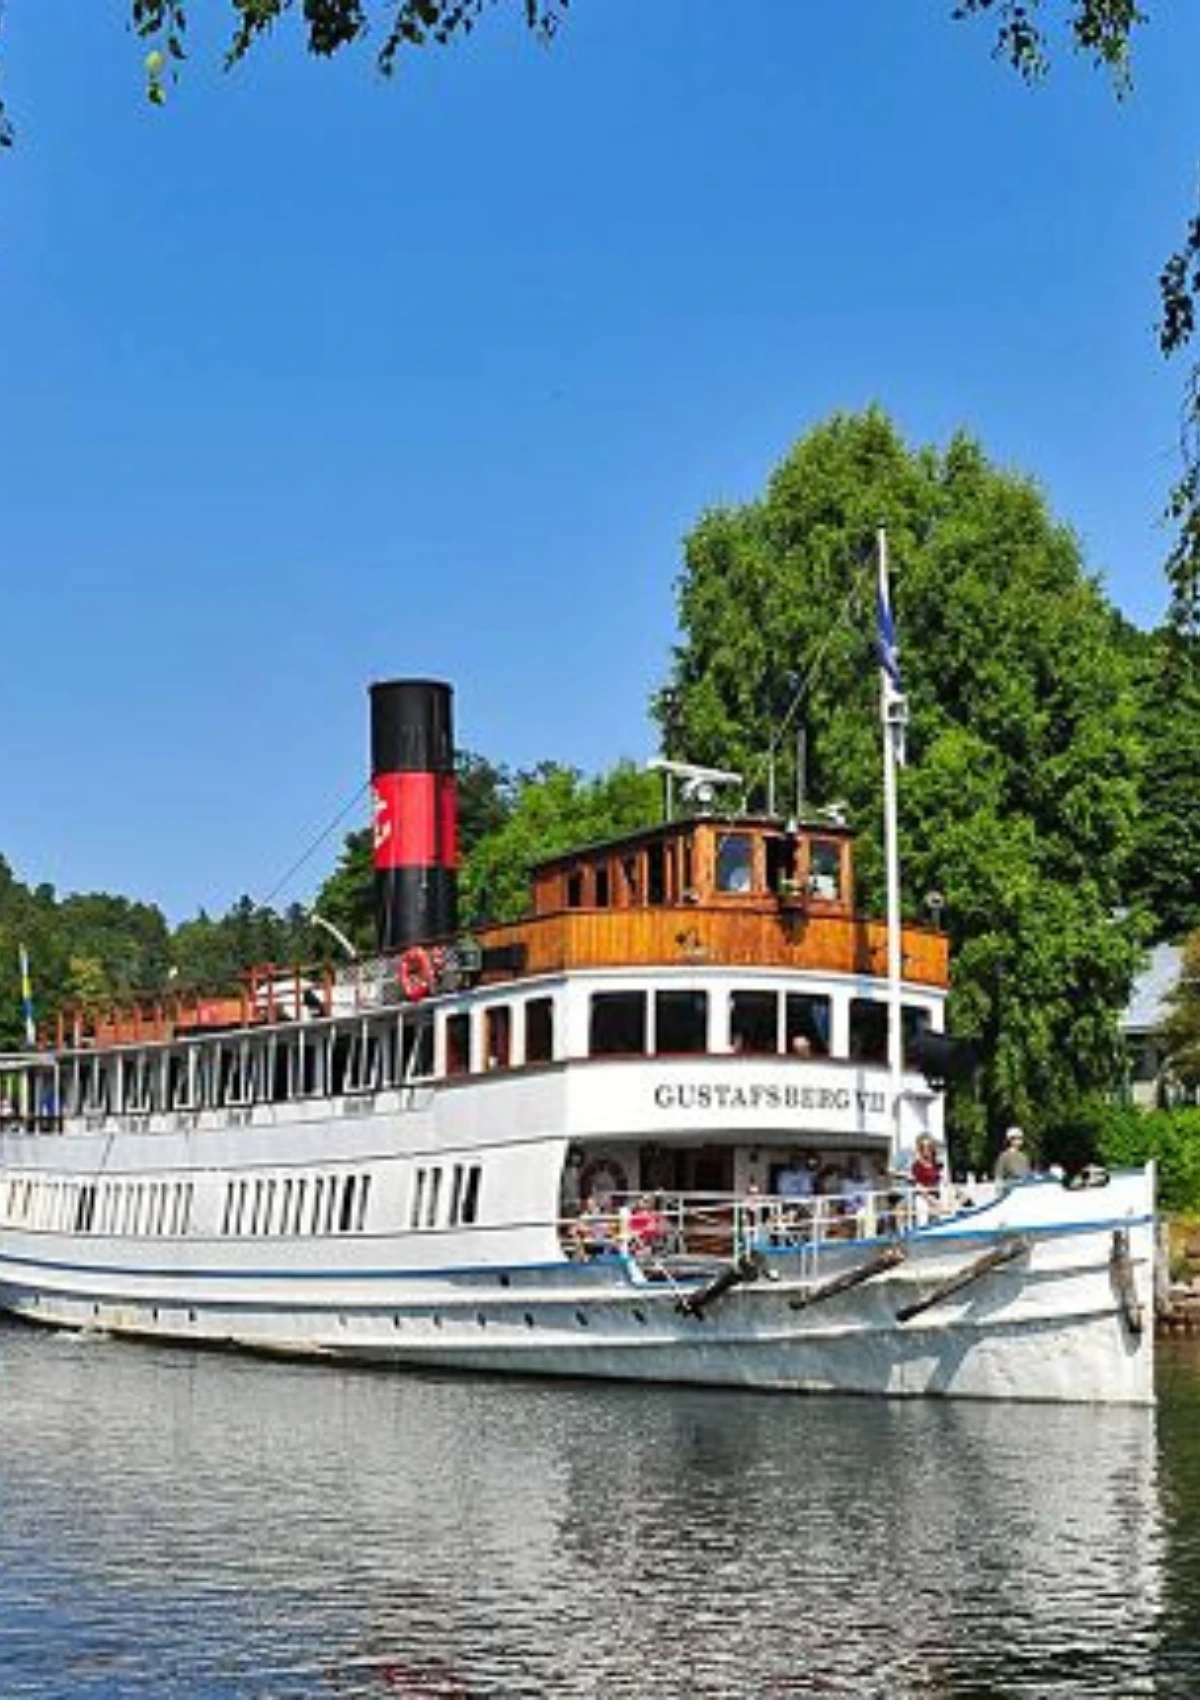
[885, 635]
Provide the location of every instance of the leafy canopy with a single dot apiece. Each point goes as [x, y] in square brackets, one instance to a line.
[1019, 805]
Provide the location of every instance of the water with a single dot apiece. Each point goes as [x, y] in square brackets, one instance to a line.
[182, 1524]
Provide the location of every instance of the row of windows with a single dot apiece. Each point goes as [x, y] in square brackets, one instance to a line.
[243, 1069]
[760, 1023]
[329, 1060]
[662, 872]
[348, 1059]
[462, 1197]
[100, 1207]
[442, 1196]
[303, 1205]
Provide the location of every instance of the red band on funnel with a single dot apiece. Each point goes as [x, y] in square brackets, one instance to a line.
[415, 820]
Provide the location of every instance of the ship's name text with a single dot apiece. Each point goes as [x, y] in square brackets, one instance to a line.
[721, 1096]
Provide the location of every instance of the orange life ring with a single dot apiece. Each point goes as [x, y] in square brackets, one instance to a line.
[416, 974]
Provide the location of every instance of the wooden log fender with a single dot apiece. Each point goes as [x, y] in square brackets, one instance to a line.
[747, 1268]
[1121, 1268]
[887, 1259]
[1003, 1253]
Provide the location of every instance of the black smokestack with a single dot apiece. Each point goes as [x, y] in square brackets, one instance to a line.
[416, 817]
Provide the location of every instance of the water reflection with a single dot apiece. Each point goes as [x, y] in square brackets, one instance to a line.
[204, 1526]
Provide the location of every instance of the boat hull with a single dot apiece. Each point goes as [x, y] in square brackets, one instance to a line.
[1065, 1315]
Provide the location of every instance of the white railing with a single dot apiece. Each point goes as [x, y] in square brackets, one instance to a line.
[729, 1225]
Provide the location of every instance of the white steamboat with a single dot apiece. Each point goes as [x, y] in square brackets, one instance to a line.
[650, 1132]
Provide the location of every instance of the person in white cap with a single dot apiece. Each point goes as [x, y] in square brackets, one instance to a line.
[1013, 1162]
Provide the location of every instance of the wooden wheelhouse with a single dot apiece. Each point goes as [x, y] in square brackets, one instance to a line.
[745, 890]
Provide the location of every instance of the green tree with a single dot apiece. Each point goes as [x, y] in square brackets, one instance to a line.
[214, 955]
[554, 809]
[1019, 802]
[88, 985]
[1165, 875]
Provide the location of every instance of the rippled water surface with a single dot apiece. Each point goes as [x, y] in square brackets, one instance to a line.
[197, 1525]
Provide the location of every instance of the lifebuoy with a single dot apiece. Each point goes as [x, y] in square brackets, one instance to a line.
[416, 974]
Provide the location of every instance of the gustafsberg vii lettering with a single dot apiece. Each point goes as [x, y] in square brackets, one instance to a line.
[721, 1096]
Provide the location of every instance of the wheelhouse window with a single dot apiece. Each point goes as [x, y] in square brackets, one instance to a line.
[575, 889]
[808, 1023]
[656, 873]
[539, 1030]
[868, 1030]
[754, 1023]
[781, 863]
[603, 886]
[825, 869]
[618, 1024]
[735, 862]
[680, 1022]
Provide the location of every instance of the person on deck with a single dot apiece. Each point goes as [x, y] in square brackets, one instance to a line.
[647, 1230]
[1012, 1165]
[591, 1232]
[797, 1180]
[926, 1177]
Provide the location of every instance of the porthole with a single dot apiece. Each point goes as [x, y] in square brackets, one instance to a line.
[581, 1319]
[528, 1320]
[639, 1316]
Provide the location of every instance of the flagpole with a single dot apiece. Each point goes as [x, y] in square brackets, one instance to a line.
[893, 711]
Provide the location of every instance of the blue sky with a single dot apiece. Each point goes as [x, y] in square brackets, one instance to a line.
[312, 379]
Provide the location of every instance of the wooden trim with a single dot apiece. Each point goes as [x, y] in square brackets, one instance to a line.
[710, 934]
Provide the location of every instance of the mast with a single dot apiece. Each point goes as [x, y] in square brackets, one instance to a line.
[893, 712]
